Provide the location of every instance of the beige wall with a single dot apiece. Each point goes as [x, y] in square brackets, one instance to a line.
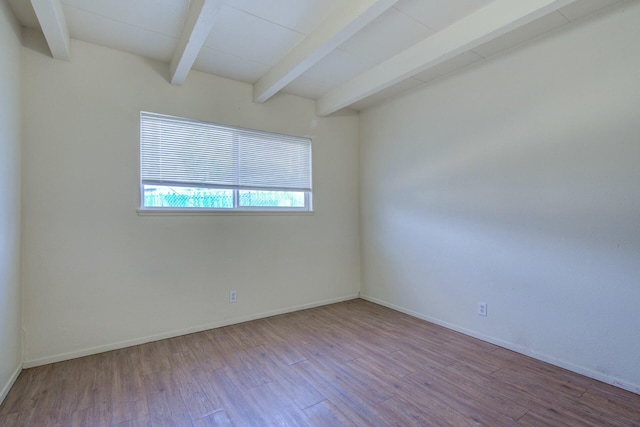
[98, 276]
[10, 322]
[517, 183]
[513, 182]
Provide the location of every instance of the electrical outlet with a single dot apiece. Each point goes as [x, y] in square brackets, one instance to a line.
[482, 309]
[233, 296]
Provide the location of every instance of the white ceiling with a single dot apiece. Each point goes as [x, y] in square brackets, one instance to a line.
[342, 53]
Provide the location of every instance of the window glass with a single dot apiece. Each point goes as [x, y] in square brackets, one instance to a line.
[188, 164]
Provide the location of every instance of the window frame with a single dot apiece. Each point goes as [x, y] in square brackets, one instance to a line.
[307, 209]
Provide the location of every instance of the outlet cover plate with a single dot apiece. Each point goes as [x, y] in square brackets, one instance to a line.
[482, 309]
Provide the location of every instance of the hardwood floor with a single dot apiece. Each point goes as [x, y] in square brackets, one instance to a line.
[347, 364]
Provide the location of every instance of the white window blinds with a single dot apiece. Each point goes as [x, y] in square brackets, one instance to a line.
[187, 153]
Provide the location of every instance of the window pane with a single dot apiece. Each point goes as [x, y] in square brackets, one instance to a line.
[190, 164]
[157, 196]
[272, 199]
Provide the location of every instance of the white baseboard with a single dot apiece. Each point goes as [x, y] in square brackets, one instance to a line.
[9, 384]
[634, 388]
[128, 343]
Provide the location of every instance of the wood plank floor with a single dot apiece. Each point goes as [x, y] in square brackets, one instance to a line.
[347, 364]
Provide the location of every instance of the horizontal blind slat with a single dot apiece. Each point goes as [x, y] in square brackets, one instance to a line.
[188, 152]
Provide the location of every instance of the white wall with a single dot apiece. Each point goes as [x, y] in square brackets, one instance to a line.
[517, 183]
[97, 275]
[10, 317]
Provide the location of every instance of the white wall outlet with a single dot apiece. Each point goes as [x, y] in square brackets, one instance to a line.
[233, 296]
[482, 309]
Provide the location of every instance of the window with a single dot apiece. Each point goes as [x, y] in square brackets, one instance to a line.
[193, 165]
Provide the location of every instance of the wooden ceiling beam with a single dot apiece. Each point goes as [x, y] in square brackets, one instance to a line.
[197, 27]
[54, 26]
[495, 19]
[335, 30]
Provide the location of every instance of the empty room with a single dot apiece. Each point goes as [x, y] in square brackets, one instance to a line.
[319, 212]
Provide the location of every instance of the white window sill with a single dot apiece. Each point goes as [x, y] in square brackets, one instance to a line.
[216, 212]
